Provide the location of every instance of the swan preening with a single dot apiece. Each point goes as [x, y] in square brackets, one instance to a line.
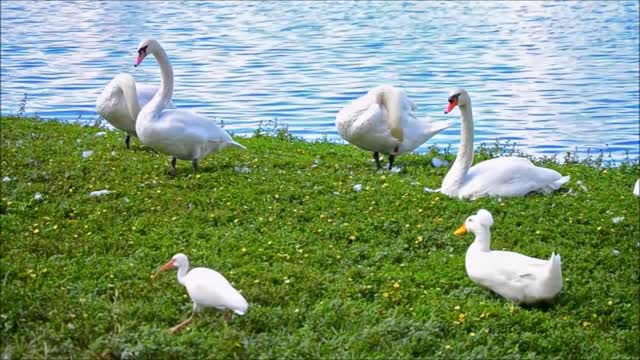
[182, 134]
[382, 121]
[120, 101]
[519, 278]
[506, 176]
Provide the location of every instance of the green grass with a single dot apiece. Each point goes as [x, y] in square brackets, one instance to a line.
[328, 272]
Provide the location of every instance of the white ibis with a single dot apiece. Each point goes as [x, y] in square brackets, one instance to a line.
[207, 288]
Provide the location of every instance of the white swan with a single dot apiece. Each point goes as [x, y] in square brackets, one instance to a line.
[179, 133]
[506, 176]
[519, 278]
[382, 121]
[121, 100]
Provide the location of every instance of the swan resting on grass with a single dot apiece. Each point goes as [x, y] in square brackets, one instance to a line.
[382, 121]
[182, 134]
[120, 101]
[519, 278]
[505, 176]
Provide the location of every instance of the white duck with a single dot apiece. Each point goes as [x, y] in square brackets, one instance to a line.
[121, 100]
[636, 188]
[505, 176]
[519, 278]
[179, 133]
[207, 288]
[382, 121]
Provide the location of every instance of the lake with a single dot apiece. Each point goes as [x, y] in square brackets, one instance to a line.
[551, 77]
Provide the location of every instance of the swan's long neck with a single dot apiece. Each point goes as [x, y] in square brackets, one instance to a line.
[182, 273]
[162, 98]
[128, 86]
[464, 159]
[482, 242]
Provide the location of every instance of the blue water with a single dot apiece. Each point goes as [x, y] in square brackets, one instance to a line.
[551, 77]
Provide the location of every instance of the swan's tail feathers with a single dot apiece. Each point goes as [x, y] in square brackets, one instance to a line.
[554, 279]
[438, 127]
[558, 183]
[236, 145]
[390, 99]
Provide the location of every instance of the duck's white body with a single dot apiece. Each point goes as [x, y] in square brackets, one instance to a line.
[120, 101]
[505, 177]
[519, 278]
[383, 121]
[176, 132]
[206, 288]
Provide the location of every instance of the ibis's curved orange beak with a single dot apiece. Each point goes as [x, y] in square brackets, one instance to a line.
[166, 266]
[451, 105]
[461, 230]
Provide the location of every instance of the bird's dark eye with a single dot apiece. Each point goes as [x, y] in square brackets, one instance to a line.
[143, 50]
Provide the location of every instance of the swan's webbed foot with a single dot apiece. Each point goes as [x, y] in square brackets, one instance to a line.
[126, 141]
[194, 165]
[172, 169]
[376, 157]
[392, 158]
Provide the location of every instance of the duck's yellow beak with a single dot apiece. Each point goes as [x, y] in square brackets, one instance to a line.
[461, 230]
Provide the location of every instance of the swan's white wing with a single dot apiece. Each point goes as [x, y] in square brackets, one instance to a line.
[209, 288]
[184, 134]
[508, 176]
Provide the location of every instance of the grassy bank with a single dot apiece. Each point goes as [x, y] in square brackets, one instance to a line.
[328, 272]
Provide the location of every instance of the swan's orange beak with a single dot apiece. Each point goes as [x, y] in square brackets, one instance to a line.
[451, 105]
[166, 266]
[461, 230]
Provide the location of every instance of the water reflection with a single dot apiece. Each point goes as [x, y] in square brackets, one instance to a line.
[550, 76]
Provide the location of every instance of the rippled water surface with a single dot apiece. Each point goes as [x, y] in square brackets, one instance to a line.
[550, 76]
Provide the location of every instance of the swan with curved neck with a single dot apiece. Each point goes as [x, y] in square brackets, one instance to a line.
[505, 176]
[182, 134]
[382, 121]
[120, 103]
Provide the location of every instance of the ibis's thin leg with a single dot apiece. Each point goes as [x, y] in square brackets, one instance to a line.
[174, 329]
[126, 140]
[376, 157]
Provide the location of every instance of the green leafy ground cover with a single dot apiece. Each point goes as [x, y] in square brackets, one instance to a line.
[328, 272]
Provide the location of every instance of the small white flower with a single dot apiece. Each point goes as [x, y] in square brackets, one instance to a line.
[336, 193]
[101, 133]
[581, 185]
[38, 197]
[395, 169]
[618, 219]
[6, 178]
[87, 153]
[113, 153]
[430, 190]
[616, 252]
[357, 187]
[100, 193]
[242, 169]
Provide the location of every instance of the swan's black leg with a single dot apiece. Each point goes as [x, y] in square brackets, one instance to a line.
[376, 157]
[126, 141]
[194, 165]
[172, 171]
[391, 160]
